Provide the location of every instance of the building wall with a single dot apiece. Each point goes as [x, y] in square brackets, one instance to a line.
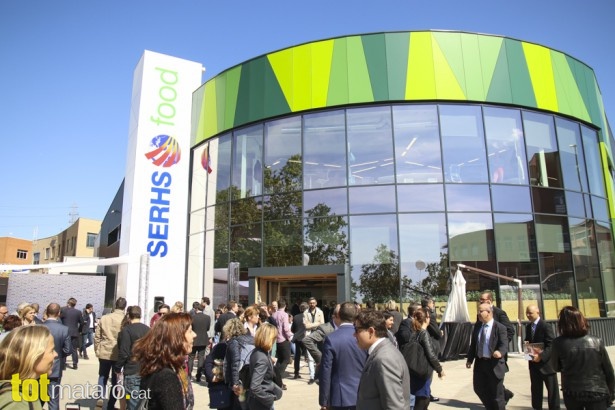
[15, 251]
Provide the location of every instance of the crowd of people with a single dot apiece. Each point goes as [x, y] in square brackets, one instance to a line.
[361, 356]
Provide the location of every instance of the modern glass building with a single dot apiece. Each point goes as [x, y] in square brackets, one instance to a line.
[367, 167]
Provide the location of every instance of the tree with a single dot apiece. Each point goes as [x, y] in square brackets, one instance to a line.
[380, 281]
[326, 241]
[438, 275]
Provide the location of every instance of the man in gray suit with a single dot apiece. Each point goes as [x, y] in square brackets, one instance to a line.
[385, 382]
[63, 347]
[488, 347]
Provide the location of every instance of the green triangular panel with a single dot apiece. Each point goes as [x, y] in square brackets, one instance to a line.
[282, 64]
[220, 101]
[473, 72]
[233, 77]
[374, 47]
[338, 83]
[447, 84]
[489, 50]
[256, 93]
[242, 108]
[359, 86]
[520, 81]
[397, 45]
[569, 100]
[579, 70]
[595, 110]
[275, 101]
[499, 89]
[450, 45]
[208, 107]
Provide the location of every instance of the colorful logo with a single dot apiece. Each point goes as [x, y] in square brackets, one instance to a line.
[166, 151]
[206, 161]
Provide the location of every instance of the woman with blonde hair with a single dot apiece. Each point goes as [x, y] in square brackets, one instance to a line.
[178, 307]
[28, 351]
[238, 342]
[161, 354]
[251, 319]
[27, 315]
[263, 391]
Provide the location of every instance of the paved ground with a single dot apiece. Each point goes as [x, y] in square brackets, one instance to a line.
[455, 390]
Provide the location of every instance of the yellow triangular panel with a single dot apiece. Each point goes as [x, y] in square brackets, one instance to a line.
[420, 80]
[282, 64]
[322, 54]
[541, 72]
[489, 50]
[302, 78]
[447, 86]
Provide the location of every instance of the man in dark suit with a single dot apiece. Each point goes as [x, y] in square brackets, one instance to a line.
[63, 347]
[200, 325]
[231, 313]
[342, 363]
[433, 329]
[88, 330]
[385, 380]
[488, 348]
[541, 371]
[73, 318]
[298, 331]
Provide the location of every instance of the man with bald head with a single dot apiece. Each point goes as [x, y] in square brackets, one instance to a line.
[63, 347]
[541, 371]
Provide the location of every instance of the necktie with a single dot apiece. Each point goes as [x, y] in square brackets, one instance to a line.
[533, 330]
[481, 343]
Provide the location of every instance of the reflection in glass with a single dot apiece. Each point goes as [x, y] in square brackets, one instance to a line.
[219, 180]
[372, 200]
[246, 245]
[420, 198]
[555, 259]
[217, 217]
[604, 239]
[326, 240]
[198, 179]
[467, 197]
[247, 161]
[599, 206]
[424, 251]
[571, 155]
[543, 157]
[586, 265]
[549, 201]
[592, 158]
[282, 206]
[417, 144]
[375, 258]
[324, 150]
[470, 237]
[511, 199]
[221, 248]
[245, 211]
[335, 200]
[575, 205]
[282, 156]
[463, 144]
[283, 243]
[370, 146]
[515, 244]
[505, 146]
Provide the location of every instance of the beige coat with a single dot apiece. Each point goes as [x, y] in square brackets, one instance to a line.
[105, 338]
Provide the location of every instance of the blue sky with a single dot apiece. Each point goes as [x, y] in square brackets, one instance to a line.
[67, 67]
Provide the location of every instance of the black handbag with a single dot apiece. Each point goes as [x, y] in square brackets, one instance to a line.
[220, 396]
[415, 358]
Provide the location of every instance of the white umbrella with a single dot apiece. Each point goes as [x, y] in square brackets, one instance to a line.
[457, 307]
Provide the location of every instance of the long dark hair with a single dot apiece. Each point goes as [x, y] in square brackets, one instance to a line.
[572, 323]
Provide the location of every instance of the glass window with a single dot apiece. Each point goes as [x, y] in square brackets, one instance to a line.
[282, 206]
[246, 242]
[247, 162]
[467, 197]
[417, 144]
[221, 248]
[505, 146]
[91, 240]
[47, 251]
[283, 166]
[515, 243]
[571, 155]
[542, 153]
[604, 239]
[324, 150]
[219, 180]
[246, 211]
[370, 146]
[599, 206]
[283, 243]
[511, 199]
[586, 265]
[198, 180]
[420, 198]
[575, 205]
[22, 254]
[36, 258]
[217, 216]
[549, 201]
[372, 200]
[375, 258]
[325, 202]
[593, 160]
[326, 240]
[424, 251]
[463, 144]
[554, 256]
[470, 237]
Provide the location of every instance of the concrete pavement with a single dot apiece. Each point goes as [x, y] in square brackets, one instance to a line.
[454, 390]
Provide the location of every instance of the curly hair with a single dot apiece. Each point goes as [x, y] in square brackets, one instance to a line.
[21, 350]
[233, 328]
[164, 346]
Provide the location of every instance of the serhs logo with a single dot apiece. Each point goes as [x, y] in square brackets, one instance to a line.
[165, 151]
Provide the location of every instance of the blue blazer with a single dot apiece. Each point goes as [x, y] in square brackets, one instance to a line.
[341, 368]
[61, 343]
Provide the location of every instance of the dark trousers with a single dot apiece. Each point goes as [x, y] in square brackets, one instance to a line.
[199, 352]
[299, 352]
[488, 388]
[53, 390]
[550, 381]
[87, 341]
[104, 367]
[283, 355]
[76, 342]
[573, 404]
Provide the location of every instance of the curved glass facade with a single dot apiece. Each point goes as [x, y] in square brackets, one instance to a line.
[402, 192]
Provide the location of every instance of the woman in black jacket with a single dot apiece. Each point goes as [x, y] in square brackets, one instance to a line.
[421, 387]
[588, 381]
[263, 391]
[214, 375]
[238, 344]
